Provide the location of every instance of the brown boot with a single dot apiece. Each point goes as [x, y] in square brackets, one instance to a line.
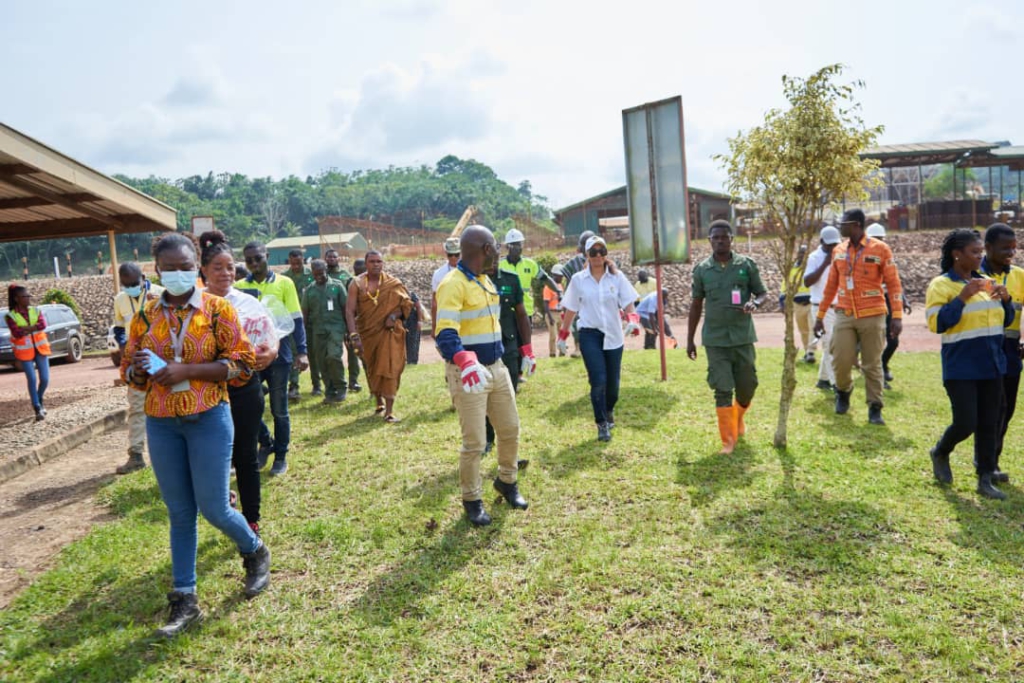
[741, 428]
[135, 462]
[727, 429]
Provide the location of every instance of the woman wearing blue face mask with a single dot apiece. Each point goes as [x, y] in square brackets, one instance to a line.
[183, 350]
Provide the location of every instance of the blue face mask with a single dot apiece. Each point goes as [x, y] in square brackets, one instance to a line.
[179, 282]
[133, 291]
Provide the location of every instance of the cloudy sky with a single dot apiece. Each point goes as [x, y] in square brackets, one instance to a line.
[533, 88]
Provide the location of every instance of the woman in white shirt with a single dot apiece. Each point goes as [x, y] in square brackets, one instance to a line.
[597, 294]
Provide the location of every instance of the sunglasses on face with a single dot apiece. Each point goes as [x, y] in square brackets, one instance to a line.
[597, 251]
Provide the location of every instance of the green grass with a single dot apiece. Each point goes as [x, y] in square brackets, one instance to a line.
[649, 558]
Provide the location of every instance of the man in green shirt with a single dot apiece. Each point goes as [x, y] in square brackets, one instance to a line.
[302, 277]
[323, 309]
[731, 284]
[336, 272]
[526, 268]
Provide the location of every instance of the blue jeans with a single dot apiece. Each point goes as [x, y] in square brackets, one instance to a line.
[603, 370]
[276, 377]
[29, 367]
[191, 459]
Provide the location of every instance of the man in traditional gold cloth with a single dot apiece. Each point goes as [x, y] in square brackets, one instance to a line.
[377, 305]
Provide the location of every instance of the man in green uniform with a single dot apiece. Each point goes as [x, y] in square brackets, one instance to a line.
[336, 272]
[323, 309]
[516, 336]
[526, 268]
[731, 284]
[302, 277]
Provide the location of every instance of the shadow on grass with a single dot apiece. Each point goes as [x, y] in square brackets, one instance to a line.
[397, 593]
[65, 494]
[637, 408]
[145, 504]
[806, 537]
[991, 528]
[712, 475]
[105, 604]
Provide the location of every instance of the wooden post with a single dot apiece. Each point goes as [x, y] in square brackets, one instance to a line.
[68, 256]
[24, 266]
[113, 261]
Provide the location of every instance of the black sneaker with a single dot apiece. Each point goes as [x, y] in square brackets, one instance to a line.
[293, 394]
[875, 414]
[940, 467]
[40, 414]
[184, 613]
[824, 385]
[987, 489]
[280, 466]
[263, 454]
[842, 402]
[257, 570]
[317, 391]
[604, 433]
[1000, 477]
[354, 387]
[886, 375]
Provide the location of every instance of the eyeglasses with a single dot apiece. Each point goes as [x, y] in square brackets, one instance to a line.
[598, 252]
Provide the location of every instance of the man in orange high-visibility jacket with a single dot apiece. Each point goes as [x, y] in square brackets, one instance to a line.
[30, 344]
[861, 265]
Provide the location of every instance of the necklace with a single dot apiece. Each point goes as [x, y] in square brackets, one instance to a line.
[373, 297]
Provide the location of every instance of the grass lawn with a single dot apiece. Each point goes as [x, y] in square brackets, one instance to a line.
[650, 558]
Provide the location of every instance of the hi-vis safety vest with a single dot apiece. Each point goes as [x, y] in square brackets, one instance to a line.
[25, 347]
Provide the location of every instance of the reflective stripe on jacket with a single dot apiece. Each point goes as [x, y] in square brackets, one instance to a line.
[25, 348]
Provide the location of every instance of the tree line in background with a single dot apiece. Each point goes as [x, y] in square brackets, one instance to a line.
[245, 209]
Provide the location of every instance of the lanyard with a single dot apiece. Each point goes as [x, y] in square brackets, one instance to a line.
[473, 278]
[178, 340]
[985, 269]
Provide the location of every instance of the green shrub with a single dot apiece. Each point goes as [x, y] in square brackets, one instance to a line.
[59, 296]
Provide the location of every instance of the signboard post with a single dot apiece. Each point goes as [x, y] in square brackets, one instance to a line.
[656, 191]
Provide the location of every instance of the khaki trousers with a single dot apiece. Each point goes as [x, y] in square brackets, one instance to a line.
[804, 322]
[136, 421]
[552, 326]
[498, 403]
[870, 333]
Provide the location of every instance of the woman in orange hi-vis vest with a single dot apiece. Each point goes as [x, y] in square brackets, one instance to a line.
[31, 347]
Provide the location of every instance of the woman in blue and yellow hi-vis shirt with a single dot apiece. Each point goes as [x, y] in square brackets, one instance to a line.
[970, 312]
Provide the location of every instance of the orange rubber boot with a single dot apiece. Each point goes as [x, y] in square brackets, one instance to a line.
[727, 428]
[741, 428]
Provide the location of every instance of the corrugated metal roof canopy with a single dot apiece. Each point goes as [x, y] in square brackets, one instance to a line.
[925, 153]
[45, 194]
[310, 240]
[1011, 156]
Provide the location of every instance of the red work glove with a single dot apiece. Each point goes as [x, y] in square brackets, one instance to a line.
[475, 377]
[633, 324]
[528, 366]
[563, 343]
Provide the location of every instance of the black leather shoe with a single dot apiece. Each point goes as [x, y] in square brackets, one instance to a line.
[940, 467]
[257, 571]
[510, 492]
[875, 414]
[184, 613]
[354, 387]
[886, 375]
[263, 454]
[824, 385]
[1000, 477]
[987, 488]
[604, 432]
[475, 512]
[842, 402]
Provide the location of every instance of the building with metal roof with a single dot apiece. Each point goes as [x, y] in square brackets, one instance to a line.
[314, 246]
[593, 213]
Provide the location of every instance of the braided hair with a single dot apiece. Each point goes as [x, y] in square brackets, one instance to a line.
[212, 243]
[956, 240]
[174, 240]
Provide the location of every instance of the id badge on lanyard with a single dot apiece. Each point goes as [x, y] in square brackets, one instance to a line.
[177, 344]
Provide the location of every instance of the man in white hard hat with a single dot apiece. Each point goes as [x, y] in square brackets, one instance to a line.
[815, 277]
[877, 230]
[526, 268]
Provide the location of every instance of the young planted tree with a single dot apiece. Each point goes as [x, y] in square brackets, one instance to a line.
[798, 165]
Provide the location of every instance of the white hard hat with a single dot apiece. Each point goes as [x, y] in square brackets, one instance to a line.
[830, 235]
[513, 236]
[596, 239]
[557, 269]
[876, 230]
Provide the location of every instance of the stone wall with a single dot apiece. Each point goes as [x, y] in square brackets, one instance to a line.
[917, 254]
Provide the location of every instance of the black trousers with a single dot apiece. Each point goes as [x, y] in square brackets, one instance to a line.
[976, 405]
[511, 359]
[1011, 385]
[412, 345]
[246, 412]
[890, 344]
